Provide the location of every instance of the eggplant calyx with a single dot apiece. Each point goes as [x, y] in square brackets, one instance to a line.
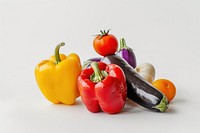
[163, 105]
[123, 44]
[86, 64]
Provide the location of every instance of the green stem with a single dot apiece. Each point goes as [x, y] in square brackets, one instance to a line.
[108, 31]
[103, 33]
[56, 52]
[122, 44]
[86, 64]
[163, 105]
[97, 76]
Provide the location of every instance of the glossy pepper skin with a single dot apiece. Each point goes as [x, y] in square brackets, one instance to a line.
[57, 77]
[103, 87]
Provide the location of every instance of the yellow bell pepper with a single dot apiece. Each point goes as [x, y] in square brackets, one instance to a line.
[57, 77]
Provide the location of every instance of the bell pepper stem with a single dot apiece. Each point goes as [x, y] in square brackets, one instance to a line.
[97, 76]
[122, 44]
[56, 52]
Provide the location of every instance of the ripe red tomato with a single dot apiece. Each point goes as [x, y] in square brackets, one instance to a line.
[105, 44]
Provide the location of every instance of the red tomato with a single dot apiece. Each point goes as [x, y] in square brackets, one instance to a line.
[105, 44]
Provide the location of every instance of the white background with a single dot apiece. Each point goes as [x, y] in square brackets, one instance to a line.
[165, 33]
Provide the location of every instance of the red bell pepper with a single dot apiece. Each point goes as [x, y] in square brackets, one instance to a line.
[103, 87]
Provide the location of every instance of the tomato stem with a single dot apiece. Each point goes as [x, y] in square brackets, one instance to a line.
[104, 33]
[108, 31]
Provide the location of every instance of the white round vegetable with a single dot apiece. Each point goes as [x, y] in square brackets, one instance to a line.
[147, 71]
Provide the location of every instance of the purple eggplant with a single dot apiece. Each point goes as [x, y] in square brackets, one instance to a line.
[87, 63]
[126, 53]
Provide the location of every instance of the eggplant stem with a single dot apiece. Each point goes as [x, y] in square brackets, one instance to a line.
[123, 44]
[163, 105]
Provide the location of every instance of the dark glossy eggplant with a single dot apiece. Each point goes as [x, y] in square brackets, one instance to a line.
[127, 53]
[138, 89]
[87, 63]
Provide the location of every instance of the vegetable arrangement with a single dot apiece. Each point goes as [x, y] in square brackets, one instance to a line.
[104, 83]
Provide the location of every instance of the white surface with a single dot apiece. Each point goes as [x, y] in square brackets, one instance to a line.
[164, 33]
